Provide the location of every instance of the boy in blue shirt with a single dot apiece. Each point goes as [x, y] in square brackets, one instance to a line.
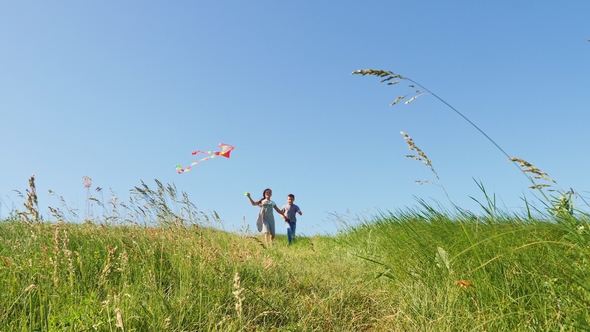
[290, 210]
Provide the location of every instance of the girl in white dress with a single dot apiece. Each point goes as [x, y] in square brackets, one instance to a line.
[266, 219]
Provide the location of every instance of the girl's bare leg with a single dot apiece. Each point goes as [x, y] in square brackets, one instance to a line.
[267, 239]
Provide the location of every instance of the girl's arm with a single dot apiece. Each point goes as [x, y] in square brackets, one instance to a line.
[280, 212]
[252, 201]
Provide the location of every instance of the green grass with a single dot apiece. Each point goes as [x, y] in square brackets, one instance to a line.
[393, 272]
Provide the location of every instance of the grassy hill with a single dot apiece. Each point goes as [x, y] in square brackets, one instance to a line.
[413, 270]
[162, 267]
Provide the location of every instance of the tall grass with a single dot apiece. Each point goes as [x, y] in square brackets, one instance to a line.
[509, 273]
[422, 269]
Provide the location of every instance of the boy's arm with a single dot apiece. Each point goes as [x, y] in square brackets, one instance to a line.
[280, 212]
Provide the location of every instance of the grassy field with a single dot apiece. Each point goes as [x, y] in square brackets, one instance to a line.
[411, 270]
[160, 265]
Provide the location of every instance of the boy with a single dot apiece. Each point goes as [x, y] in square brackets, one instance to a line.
[290, 210]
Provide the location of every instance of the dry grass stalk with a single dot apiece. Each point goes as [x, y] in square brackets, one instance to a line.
[424, 159]
[55, 260]
[238, 290]
[7, 260]
[119, 316]
[57, 214]
[167, 322]
[106, 271]
[562, 205]
[258, 241]
[388, 76]
[31, 203]
[87, 183]
[67, 253]
[421, 155]
[30, 287]
[527, 167]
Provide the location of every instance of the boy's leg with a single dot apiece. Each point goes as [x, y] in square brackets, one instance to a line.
[293, 227]
[289, 231]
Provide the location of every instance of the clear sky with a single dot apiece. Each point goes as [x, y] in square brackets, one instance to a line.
[124, 91]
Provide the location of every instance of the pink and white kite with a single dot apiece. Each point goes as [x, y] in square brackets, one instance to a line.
[225, 151]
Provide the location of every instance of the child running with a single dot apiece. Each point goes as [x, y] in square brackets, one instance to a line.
[290, 210]
[266, 219]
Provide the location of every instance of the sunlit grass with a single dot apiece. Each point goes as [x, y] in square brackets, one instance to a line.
[418, 269]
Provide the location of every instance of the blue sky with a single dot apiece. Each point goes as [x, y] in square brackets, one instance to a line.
[123, 91]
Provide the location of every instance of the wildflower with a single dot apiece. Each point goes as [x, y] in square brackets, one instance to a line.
[463, 283]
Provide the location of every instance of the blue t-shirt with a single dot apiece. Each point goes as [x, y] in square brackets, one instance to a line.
[291, 212]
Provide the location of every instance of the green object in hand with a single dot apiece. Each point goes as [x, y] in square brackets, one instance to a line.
[247, 194]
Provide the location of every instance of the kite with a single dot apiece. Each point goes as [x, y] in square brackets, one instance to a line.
[225, 151]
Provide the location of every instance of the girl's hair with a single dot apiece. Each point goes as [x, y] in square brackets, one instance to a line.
[264, 192]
